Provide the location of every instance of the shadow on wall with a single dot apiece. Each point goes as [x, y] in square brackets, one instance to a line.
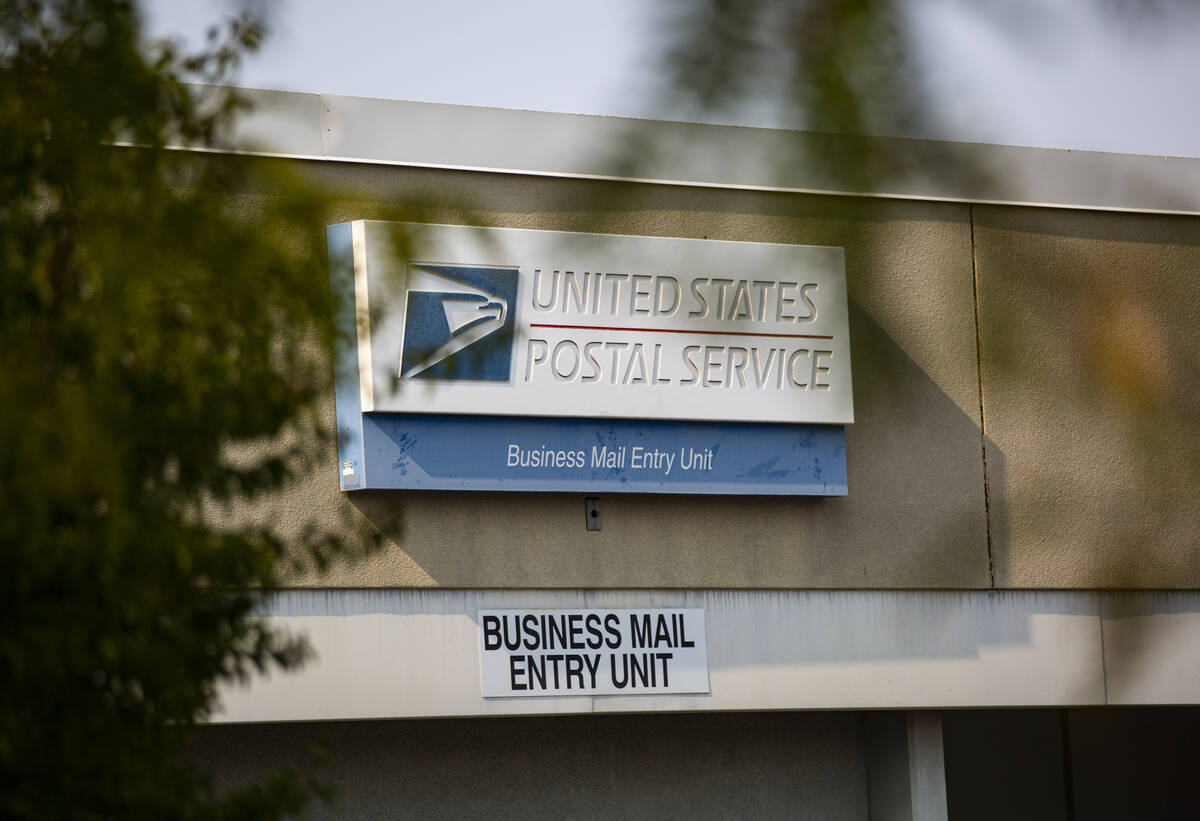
[759, 628]
[1089, 482]
[914, 516]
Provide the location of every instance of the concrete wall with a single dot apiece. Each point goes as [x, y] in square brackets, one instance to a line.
[915, 516]
[1025, 418]
[1087, 340]
[735, 765]
[1090, 354]
[1040, 765]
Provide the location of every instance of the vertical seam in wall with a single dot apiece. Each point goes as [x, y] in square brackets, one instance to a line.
[987, 496]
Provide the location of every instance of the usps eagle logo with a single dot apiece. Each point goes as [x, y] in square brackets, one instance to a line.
[458, 323]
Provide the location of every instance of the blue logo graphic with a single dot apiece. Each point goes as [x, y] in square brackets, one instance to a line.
[459, 323]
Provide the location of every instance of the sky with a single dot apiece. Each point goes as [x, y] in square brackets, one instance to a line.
[1046, 73]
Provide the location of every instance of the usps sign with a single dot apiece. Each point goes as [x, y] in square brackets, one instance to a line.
[551, 323]
[502, 359]
[592, 652]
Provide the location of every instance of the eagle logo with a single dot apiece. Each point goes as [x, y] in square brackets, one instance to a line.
[458, 322]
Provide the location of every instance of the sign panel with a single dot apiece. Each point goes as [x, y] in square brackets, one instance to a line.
[592, 652]
[494, 359]
[545, 323]
[434, 452]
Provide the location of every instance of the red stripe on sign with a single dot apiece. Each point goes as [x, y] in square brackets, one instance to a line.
[675, 331]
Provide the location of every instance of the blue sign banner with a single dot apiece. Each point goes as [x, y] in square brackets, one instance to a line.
[452, 452]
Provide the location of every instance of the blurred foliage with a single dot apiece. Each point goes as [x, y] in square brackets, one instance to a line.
[844, 67]
[841, 66]
[153, 322]
[858, 69]
[1090, 375]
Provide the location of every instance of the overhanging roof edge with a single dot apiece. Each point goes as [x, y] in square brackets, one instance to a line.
[438, 135]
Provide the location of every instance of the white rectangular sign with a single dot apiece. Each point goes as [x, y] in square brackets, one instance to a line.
[592, 652]
[455, 319]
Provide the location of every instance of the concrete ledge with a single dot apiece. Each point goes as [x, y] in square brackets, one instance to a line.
[356, 129]
[415, 653]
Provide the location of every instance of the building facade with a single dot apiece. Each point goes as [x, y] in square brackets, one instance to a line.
[1000, 617]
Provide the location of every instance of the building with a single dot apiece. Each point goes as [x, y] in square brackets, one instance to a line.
[998, 620]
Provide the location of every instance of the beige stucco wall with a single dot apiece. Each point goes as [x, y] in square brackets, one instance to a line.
[1091, 352]
[1088, 345]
